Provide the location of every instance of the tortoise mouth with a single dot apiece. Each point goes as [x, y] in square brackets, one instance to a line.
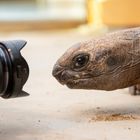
[72, 84]
[78, 83]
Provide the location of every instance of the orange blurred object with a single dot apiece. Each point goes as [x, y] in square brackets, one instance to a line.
[114, 12]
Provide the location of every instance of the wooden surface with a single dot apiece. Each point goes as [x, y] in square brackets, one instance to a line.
[38, 25]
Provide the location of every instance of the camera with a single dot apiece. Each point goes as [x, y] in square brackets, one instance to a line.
[14, 70]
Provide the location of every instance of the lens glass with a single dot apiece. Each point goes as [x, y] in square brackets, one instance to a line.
[4, 74]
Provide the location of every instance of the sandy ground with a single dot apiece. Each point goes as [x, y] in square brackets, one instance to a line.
[54, 112]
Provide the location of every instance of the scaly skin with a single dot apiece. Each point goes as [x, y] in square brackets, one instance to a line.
[109, 62]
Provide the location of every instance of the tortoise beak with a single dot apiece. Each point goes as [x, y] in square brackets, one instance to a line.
[57, 73]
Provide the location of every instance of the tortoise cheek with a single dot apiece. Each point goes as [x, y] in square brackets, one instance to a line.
[113, 62]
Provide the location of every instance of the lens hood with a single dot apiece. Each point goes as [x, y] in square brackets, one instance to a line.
[14, 69]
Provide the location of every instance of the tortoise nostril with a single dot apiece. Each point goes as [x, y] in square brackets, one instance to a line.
[60, 74]
[57, 70]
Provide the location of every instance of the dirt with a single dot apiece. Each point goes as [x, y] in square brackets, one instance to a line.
[113, 117]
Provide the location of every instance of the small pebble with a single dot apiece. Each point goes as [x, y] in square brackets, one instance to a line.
[97, 107]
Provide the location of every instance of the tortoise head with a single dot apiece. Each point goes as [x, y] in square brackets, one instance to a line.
[97, 64]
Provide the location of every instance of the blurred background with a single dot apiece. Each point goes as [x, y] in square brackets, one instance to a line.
[61, 14]
[52, 111]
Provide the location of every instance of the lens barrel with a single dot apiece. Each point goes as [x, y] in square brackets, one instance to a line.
[14, 70]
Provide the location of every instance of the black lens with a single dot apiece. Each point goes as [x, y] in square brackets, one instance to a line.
[14, 70]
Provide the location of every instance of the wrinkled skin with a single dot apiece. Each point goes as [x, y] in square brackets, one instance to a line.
[108, 63]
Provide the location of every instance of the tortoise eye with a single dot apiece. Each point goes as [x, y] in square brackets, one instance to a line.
[80, 61]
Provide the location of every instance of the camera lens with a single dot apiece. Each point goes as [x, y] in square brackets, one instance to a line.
[14, 70]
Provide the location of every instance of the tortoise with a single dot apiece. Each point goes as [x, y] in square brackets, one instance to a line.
[108, 62]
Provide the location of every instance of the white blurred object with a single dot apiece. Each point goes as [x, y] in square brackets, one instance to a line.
[42, 10]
